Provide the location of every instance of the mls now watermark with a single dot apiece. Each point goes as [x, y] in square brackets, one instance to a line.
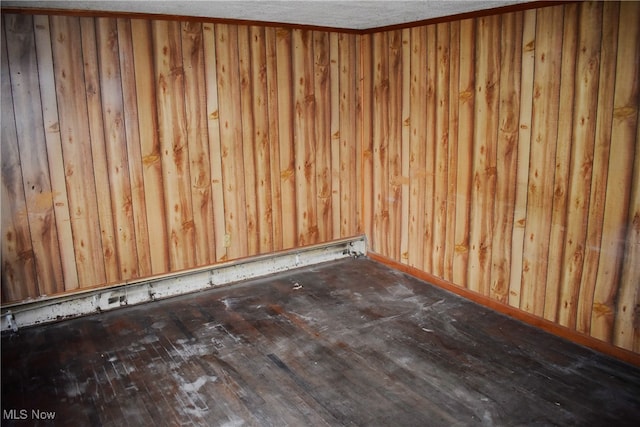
[24, 414]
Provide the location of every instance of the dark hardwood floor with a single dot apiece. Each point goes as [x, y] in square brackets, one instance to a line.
[346, 343]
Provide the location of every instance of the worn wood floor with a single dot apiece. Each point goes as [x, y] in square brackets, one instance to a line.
[347, 343]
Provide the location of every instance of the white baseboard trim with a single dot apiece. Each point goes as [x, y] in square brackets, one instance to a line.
[68, 306]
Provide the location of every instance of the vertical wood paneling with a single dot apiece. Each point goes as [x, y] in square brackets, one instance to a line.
[429, 98]
[524, 148]
[98, 148]
[584, 124]
[285, 130]
[441, 156]
[213, 128]
[512, 146]
[542, 158]
[357, 216]
[29, 123]
[54, 150]
[626, 134]
[273, 138]
[138, 209]
[606, 90]
[506, 154]
[19, 279]
[150, 145]
[499, 153]
[336, 111]
[322, 89]
[366, 72]
[484, 154]
[231, 140]
[115, 141]
[349, 160]
[622, 150]
[406, 142]
[178, 145]
[247, 140]
[195, 99]
[417, 172]
[77, 151]
[304, 137]
[174, 150]
[563, 161]
[452, 167]
[261, 139]
[380, 142]
[466, 99]
[395, 142]
[627, 333]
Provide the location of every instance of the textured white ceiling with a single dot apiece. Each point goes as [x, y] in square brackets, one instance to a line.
[346, 14]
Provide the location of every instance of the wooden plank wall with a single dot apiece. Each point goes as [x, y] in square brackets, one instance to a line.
[499, 153]
[136, 147]
[516, 171]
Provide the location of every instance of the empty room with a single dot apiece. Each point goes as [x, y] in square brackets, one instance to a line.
[320, 213]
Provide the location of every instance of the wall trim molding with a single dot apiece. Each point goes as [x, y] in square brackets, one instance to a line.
[538, 322]
[92, 301]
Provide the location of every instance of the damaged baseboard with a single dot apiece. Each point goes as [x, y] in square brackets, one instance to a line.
[82, 303]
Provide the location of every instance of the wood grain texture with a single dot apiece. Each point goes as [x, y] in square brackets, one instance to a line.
[484, 169]
[231, 140]
[174, 145]
[34, 165]
[322, 89]
[395, 141]
[441, 155]
[597, 197]
[262, 152]
[582, 156]
[115, 141]
[195, 107]
[285, 84]
[245, 128]
[18, 260]
[277, 218]
[464, 155]
[380, 136]
[417, 160]
[405, 149]
[304, 135]
[523, 153]
[624, 148]
[497, 152]
[512, 191]
[98, 147]
[350, 148]
[150, 145]
[542, 159]
[138, 208]
[452, 155]
[626, 121]
[429, 147]
[506, 154]
[162, 145]
[213, 135]
[365, 117]
[562, 162]
[50, 117]
[77, 143]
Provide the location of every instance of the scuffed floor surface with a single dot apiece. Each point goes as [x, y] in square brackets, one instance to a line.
[347, 343]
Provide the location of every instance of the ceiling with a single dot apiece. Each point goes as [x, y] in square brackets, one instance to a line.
[345, 14]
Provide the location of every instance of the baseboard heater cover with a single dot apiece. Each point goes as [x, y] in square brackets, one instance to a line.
[82, 303]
